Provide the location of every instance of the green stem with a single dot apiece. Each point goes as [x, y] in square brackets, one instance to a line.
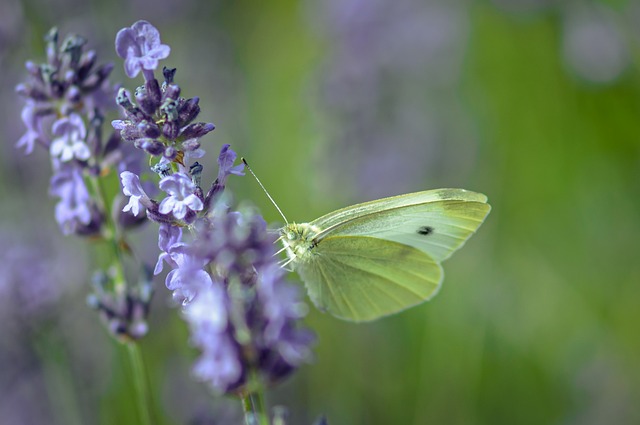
[254, 407]
[247, 408]
[139, 382]
[257, 398]
[111, 236]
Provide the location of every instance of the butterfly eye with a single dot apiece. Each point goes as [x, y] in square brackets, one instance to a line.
[292, 236]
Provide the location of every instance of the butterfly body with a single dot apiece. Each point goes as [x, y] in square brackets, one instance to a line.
[299, 240]
[377, 258]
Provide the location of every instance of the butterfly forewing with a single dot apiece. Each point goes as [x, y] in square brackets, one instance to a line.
[438, 228]
[362, 278]
[341, 216]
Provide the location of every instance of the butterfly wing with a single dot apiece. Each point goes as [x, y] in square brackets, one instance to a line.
[361, 278]
[383, 256]
[437, 227]
[341, 216]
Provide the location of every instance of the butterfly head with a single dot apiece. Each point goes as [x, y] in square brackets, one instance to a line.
[298, 240]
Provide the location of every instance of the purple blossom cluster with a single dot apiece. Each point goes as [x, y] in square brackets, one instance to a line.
[243, 316]
[160, 122]
[66, 99]
[124, 315]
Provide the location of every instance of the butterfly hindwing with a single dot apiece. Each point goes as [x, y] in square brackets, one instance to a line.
[362, 278]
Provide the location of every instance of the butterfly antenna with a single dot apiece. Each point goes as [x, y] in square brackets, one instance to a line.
[265, 190]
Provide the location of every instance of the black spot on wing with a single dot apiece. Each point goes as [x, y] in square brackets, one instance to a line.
[425, 230]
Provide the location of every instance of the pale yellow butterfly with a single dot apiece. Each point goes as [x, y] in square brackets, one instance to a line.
[377, 258]
[370, 260]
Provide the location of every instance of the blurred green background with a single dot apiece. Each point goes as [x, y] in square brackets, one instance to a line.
[534, 103]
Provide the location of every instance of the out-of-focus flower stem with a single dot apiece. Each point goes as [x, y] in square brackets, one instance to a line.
[139, 381]
[135, 358]
[111, 235]
[253, 405]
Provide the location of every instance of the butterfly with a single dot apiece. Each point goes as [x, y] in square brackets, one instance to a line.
[377, 258]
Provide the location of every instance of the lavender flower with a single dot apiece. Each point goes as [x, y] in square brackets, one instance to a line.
[32, 120]
[66, 99]
[226, 160]
[220, 363]
[188, 277]
[225, 163]
[75, 210]
[124, 312]
[159, 121]
[131, 187]
[168, 237]
[65, 103]
[67, 82]
[242, 315]
[70, 142]
[251, 322]
[140, 48]
[182, 198]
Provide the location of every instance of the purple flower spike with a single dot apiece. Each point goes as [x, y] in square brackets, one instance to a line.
[70, 142]
[140, 48]
[131, 187]
[181, 197]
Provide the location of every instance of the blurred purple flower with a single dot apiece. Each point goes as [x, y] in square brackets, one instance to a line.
[69, 81]
[282, 306]
[181, 197]
[70, 142]
[220, 361]
[140, 48]
[245, 319]
[66, 100]
[188, 278]
[123, 312]
[74, 208]
[594, 45]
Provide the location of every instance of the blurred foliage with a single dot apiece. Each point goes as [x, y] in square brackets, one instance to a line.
[537, 319]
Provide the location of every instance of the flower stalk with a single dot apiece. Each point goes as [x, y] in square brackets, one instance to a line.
[139, 381]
